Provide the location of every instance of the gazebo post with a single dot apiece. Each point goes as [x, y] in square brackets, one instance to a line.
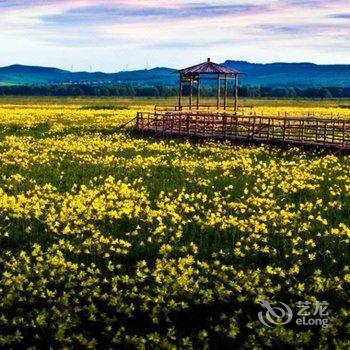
[192, 75]
[190, 97]
[180, 93]
[198, 92]
[236, 92]
[225, 93]
[218, 94]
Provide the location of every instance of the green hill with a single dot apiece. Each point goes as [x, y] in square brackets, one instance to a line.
[255, 74]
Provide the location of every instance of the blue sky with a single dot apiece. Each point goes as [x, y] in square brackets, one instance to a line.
[116, 35]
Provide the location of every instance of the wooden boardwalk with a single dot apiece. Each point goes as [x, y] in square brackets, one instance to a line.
[301, 131]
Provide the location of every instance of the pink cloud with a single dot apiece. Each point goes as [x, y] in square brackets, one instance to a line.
[146, 27]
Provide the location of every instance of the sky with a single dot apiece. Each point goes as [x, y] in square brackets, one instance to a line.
[119, 35]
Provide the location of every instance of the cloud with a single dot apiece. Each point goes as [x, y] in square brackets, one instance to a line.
[114, 13]
[314, 29]
[134, 29]
[341, 15]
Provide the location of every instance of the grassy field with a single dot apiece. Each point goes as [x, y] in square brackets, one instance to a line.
[343, 103]
[117, 240]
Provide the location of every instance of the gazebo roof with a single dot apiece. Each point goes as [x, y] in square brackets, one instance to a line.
[208, 67]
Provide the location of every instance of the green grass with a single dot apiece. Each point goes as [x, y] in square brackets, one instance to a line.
[237, 221]
[118, 102]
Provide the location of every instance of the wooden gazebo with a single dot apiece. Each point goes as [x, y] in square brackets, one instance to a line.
[209, 71]
[226, 123]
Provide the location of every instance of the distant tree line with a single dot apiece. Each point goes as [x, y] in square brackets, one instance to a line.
[164, 91]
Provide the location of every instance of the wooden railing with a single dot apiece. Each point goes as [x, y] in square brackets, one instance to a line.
[244, 111]
[326, 132]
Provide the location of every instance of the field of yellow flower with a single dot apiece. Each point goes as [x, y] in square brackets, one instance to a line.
[114, 240]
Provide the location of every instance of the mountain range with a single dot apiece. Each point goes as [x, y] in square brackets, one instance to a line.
[254, 74]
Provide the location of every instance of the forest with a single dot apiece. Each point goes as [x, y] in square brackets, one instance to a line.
[164, 91]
